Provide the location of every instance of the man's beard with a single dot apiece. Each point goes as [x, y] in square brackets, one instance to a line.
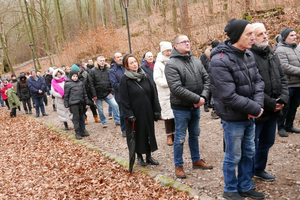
[262, 45]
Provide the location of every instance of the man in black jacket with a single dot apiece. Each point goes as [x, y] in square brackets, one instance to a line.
[238, 92]
[102, 90]
[276, 96]
[189, 86]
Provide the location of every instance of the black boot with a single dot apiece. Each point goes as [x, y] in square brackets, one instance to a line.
[66, 126]
[151, 160]
[85, 133]
[78, 136]
[54, 109]
[140, 160]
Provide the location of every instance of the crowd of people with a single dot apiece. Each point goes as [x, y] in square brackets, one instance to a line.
[252, 88]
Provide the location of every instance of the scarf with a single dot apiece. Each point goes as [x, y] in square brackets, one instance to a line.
[57, 87]
[150, 65]
[138, 76]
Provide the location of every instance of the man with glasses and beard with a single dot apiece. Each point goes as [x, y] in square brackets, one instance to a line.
[275, 97]
[189, 86]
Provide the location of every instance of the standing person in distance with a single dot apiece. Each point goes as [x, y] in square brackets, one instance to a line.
[24, 93]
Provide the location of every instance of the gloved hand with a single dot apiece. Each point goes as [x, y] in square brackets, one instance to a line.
[130, 119]
[13, 104]
[156, 116]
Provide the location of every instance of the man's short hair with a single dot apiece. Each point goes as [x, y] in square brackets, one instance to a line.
[33, 70]
[147, 54]
[101, 57]
[175, 40]
[258, 25]
[116, 54]
[90, 60]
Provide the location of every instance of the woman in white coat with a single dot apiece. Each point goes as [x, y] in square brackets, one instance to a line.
[163, 89]
[57, 90]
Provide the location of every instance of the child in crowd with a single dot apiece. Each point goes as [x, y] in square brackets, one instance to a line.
[75, 99]
[12, 100]
[5, 85]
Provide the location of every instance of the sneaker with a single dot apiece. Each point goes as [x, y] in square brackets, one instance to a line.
[123, 133]
[282, 133]
[232, 196]
[86, 134]
[252, 194]
[252, 185]
[30, 112]
[265, 176]
[104, 125]
[292, 130]
[110, 116]
[179, 172]
[45, 114]
[201, 164]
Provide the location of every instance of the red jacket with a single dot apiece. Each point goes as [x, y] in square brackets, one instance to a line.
[3, 89]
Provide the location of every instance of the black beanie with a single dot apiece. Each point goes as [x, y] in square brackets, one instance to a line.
[73, 72]
[215, 43]
[235, 28]
[123, 61]
[285, 32]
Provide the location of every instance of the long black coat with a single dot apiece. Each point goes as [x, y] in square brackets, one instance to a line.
[142, 105]
[23, 92]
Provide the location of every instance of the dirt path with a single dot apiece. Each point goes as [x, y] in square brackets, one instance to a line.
[284, 157]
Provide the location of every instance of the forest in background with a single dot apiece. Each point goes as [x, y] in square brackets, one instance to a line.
[74, 30]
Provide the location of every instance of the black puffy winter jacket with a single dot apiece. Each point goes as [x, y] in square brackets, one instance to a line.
[23, 91]
[187, 80]
[75, 93]
[236, 85]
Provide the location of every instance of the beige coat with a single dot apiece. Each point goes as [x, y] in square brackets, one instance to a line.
[162, 86]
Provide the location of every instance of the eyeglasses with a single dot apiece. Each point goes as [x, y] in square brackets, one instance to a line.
[185, 42]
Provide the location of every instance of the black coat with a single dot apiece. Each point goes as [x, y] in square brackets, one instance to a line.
[75, 93]
[23, 92]
[100, 82]
[48, 79]
[147, 69]
[187, 80]
[85, 78]
[143, 104]
[236, 85]
[269, 68]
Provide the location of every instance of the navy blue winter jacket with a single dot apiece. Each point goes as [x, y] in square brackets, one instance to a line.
[115, 74]
[35, 86]
[236, 85]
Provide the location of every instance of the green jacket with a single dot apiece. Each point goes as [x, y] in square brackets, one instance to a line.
[12, 98]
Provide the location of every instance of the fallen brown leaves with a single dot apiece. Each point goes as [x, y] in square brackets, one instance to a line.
[37, 163]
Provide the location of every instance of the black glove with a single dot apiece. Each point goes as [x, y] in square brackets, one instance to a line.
[156, 116]
[13, 104]
[130, 119]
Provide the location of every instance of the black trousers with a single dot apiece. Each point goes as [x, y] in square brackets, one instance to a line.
[45, 99]
[26, 102]
[92, 107]
[13, 112]
[77, 111]
[7, 104]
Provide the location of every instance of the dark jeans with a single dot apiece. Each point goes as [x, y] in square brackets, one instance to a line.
[7, 104]
[24, 102]
[289, 110]
[13, 112]
[77, 111]
[122, 120]
[170, 126]
[45, 99]
[264, 140]
[39, 103]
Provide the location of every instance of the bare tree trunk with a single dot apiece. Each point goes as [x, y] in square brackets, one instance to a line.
[24, 19]
[184, 18]
[57, 25]
[225, 8]
[211, 11]
[164, 13]
[94, 13]
[61, 21]
[32, 35]
[78, 5]
[174, 17]
[248, 3]
[4, 49]
[266, 4]
[108, 12]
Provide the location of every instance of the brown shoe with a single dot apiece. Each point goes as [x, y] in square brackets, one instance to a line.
[97, 120]
[179, 172]
[201, 164]
[169, 140]
[85, 121]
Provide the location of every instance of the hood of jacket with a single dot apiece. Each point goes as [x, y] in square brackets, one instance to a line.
[162, 58]
[63, 74]
[284, 44]
[176, 54]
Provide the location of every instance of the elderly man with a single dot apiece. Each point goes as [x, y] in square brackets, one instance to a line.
[148, 65]
[102, 90]
[115, 74]
[238, 92]
[289, 55]
[189, 86]
[276, 96]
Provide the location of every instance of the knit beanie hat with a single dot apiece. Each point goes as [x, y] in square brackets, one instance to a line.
[123, 61]
[165, 46]
[51, 70]
[285, 32]
[215, 43]
[235, 28]
[73, 72]
[278, 38]
[75, 67]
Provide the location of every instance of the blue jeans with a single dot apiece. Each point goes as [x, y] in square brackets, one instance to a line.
[122, 120]
[1, 100]
[289, 110]
[264, 140]
[239, 151]
[111, 102]
[39, 103]
[82, 122]
[186, 119]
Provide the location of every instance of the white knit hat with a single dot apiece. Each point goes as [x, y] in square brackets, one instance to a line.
[51, 70]
[165, 46]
